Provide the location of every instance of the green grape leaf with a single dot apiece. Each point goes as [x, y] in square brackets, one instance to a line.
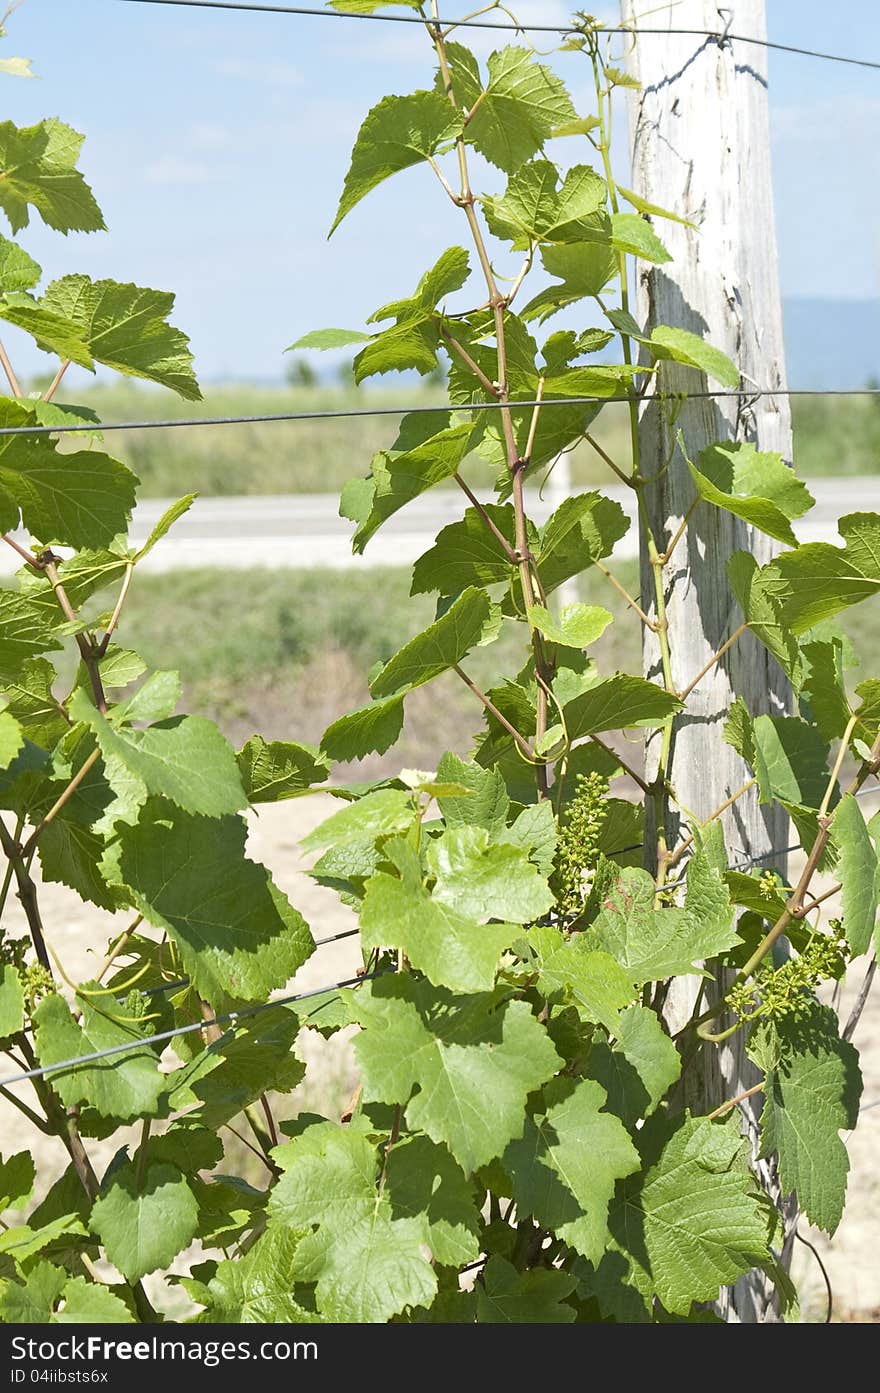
[127, 1086]
[811, 1092]
[507, 1296]
[31, 701]
[592, 981]
[449, 273]
[143, 1222]
[367, 1265]
[371, 729]
[70, 848]
[89, 1303]
[278, 769]
[51, 332]
[11, 1002]
[639, 1068]
[382, 813]
[633, 234]
[514, 114]
[485, 805]
[18, 270]
[753, 589]
[457, 1052]
[453, 949]
[257, 1288]
[466, 553]
[25, 631]
[17, 1176]
[857, 868]
[486, 880]
[824, 687]
[238, 935]
[669, 344]
[564, 1169]
[654, 944]
[48, 1296]
[470, 621]
[755, 486]
[582, 268]
[165, 524]
[38, 170]
[397, 133]
[576, 627]
[654, 210]
[820, 580]
[790, 760]
[583, 529]
[329, 338]
[228, 1075]
[11, 739]
[423, 1182]
[425, 454]
[126, 327]
[618, 701]
[693, 1221]
[534, 209]
[79, 500]
[184, 759]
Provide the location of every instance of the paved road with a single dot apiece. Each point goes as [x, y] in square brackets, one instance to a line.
[305, 530]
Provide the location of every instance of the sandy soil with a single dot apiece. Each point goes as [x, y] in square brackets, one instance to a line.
[79, 935]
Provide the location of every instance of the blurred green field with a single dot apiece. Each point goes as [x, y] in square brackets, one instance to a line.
[833, 436]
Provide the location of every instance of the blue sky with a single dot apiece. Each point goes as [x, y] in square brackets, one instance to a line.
[217, 143]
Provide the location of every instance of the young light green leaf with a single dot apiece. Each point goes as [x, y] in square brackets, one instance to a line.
[165, 523]
[277, 769]
[633, 234]
[38, 170]
[484, 879]
[18, 270]
[397, 133]
[811, 1092]
[382, 813]
[443, 1056]
[584, 268]
[564, 1169]
[757, 487]
[653, 210]
[256, 1288]
[126, 327]
[512, 116]
[130, 1087]
[366, 1263]
[144, 1221]
[329, 338]
[238, 935]
[594, 982]
[577, 626]
[681, 346]
[11, 739]
[534, 209]
[450, 946]
[651, 944]
[468, 622]
[487, 802]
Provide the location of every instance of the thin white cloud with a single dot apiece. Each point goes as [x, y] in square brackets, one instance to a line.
[269, 72]
[171, 169]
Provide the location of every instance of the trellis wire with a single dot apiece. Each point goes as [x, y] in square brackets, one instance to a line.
[346, 412]
[720, 36]
[224, 1018]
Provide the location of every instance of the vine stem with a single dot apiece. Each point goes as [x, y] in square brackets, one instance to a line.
[87, 652]
[26, 556]
[486, 383]
[624, 593]
[732, 1102]
[604, 455]
[484, 514]
[9, 370]
[715, 658]
[56, 381]
[63, 798]
[502, 720]
[117, 611]
[795, 903]
[27, 894]
[675, 856]
[515, 463]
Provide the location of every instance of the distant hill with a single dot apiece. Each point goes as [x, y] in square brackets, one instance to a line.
[832, 343]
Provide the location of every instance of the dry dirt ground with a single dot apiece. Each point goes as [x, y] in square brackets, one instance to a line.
[79, 935]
